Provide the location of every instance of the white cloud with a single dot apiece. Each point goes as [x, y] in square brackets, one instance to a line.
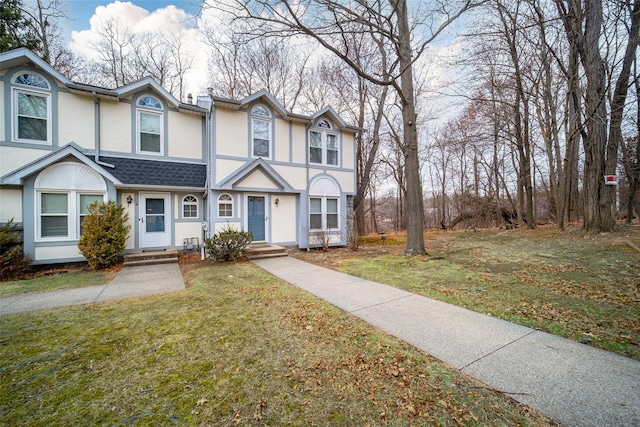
[134, 19]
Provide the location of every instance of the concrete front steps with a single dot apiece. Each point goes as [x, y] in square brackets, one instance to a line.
[137, 259]
[260, 251]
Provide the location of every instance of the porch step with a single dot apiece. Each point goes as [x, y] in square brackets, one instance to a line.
[137, 259]
[265, 251]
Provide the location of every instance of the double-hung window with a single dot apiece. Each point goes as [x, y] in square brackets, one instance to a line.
[32, 109]
[323, 213]
[62, 213]
[54, 215]
[323, 145]
[260, 132]
[150, 125]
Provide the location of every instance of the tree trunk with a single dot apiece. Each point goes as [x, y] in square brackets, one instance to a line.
[597, 210]
[617, 110]
[414, 198]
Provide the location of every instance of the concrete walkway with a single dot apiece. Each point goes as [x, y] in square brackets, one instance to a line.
[572, 383]
[130, 282]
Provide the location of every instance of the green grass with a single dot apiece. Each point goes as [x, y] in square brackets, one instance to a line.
[570, 285]
[237, 347]
[54, 282]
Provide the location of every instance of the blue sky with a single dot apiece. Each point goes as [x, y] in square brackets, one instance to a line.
[80, 11]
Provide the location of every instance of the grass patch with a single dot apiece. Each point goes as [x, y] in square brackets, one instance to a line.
[54, 281]
[237, 347]
[581, 287]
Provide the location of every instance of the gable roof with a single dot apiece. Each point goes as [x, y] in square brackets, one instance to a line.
[146, 83]
[23, 56]
[230, 182]
[69, 150]
[266, 97]
[332, 115]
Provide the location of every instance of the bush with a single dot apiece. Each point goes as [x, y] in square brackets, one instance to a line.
[12, 261]
[228, 244]
[104, 234]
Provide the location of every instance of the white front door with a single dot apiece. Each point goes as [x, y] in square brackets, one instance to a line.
[155, 220]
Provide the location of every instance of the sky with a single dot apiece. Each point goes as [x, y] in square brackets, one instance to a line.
[81, 11]
[168, 16]
[182, 17]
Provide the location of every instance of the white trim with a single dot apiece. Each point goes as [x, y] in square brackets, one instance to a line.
[72, 214]
[324, 133]
[269, 122]
[155, 239]
[150, 112]
[324, 213]
[218, 206]
[196, 204]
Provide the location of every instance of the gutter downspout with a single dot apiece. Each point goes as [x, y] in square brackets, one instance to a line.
[306, 200]
[96, 113]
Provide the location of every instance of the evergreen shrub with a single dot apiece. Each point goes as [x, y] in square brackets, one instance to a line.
[104, 234]
[228, 244]
[12, 261]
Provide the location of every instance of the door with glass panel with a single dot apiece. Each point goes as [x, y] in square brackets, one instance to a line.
[154, 220]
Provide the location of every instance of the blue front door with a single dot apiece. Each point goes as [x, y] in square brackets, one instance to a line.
[256, 218]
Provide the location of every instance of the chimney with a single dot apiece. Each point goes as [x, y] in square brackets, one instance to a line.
[189, 99]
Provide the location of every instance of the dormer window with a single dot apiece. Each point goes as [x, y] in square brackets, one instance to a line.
[31, 109]
[150, 125]
[260, 132]
[323, 145]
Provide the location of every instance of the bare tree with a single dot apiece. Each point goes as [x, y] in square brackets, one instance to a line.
[43, 17]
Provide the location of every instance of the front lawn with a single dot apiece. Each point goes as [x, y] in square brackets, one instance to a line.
[54, 280]
[237, 347]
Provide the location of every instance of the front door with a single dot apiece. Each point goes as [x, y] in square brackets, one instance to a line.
[256, 217]
[154, 221]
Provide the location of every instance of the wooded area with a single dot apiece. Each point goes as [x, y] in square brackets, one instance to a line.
[542, 97]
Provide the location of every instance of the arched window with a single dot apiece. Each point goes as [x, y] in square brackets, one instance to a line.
[150, 102]
[260, 132]
[323, 145]
[190, 207]
[29, 79]
[31, 109]
[150, 125]
[324, 124]
[225, 206]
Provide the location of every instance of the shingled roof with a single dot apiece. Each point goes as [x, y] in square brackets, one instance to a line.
[156, 173]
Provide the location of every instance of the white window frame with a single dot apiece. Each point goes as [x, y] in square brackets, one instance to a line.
[261, 119]
[73, 213]
[152, 111]
[193, 202]
[324, 129]
[225, 202]
[32, 90]
[324, 213]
